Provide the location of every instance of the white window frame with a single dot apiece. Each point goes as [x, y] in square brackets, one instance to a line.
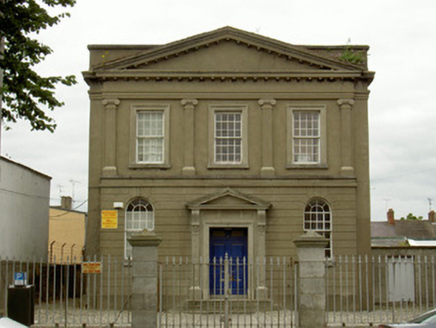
[136, 220]
[321, 137]
[319, 218]
[134, 160]
[215, 109]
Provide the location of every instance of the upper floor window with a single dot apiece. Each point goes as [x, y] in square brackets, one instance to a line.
[228, 136]
[150, 136]
[139, 216]
[307, 136]
[151, 139]
[318, 218]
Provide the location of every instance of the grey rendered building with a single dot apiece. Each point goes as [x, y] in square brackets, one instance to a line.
[229, 142]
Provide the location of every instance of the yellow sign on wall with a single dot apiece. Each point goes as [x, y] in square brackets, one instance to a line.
[109, 219]
[91, 267]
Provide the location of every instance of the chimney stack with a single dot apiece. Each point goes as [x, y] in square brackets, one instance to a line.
[431, 216]
[66, 202]
[391, 219]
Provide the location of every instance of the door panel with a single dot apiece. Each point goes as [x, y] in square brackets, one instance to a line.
[233, 242]
[237, 267]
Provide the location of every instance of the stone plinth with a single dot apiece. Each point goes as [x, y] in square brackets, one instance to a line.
[311, 283]
[145, 279]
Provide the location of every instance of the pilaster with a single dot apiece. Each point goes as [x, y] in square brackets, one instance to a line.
[261, 289]
[189, 127]
[195, 234]
[195, 290]
[347, 168]
[110, 128]
[267, 106]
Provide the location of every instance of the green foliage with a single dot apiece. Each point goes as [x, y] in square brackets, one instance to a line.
[25, 92]
[352, 57]
[403, 243]
[411, 217]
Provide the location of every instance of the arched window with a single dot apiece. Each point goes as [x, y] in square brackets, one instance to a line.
[139, 216]
[318, 217]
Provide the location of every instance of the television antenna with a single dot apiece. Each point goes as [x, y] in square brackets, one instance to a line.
[60, 189]
[430, 203]
[73, 185]
[387, 200]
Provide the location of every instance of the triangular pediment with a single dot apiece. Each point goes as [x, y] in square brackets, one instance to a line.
[227, 50]
[228, 199]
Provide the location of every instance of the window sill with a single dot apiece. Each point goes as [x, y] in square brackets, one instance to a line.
[228, 166]
[307, 166]
[137, 166]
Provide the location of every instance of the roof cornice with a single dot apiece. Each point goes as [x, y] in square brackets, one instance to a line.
[147, 75]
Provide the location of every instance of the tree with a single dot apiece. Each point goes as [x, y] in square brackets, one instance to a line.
[411, 217]
[25, 95]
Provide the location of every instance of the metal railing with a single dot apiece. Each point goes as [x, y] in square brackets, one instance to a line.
[225, 292]
[93, 293]
[376, 289]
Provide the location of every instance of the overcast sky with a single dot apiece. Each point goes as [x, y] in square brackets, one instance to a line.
[402, 105]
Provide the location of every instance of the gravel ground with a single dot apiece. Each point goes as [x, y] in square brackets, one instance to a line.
[54, 315]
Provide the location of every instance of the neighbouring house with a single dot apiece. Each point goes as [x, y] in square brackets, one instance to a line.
[24, 204]
[228, 142]
[408, 247]
[403, 237]
[66, 233]
[24, 208]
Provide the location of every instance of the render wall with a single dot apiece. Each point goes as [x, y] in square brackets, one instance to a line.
[114, 178]
[66, 234]
[24, 205]
[288, 190]
[284, 219]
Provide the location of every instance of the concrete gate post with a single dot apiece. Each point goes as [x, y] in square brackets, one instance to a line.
[145, 279]
[311, 282]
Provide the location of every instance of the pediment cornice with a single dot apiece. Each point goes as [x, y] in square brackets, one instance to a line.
[242, 202]
[227, 34]
[314, 66]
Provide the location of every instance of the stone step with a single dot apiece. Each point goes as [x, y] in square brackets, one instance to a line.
[235, 306]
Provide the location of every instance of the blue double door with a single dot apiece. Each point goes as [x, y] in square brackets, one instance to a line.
[233, 242]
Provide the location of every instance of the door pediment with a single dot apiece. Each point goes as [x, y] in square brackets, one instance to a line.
[228, 199]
